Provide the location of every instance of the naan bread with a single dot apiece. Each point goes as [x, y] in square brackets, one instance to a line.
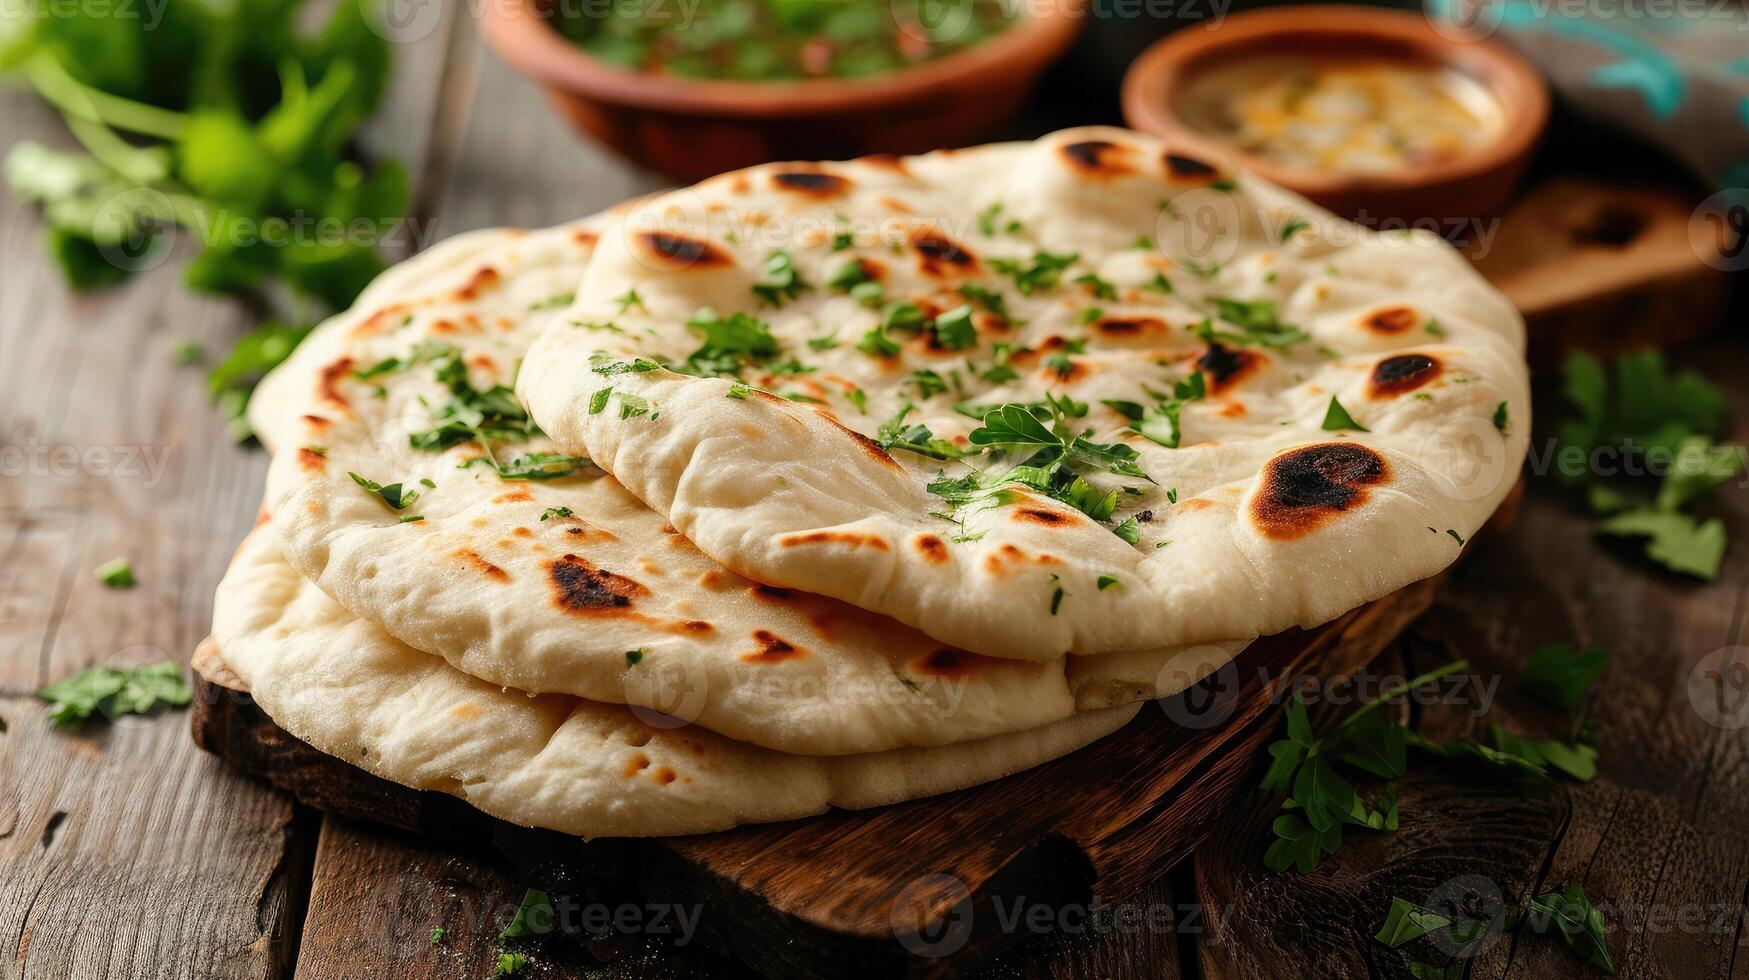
[353, 691]
[1364, 400]
[558, 585]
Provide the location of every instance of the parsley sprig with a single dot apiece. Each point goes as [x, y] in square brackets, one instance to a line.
[1640, 409]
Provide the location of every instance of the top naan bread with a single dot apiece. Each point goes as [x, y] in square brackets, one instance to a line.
[533, 570]
[1257, 415]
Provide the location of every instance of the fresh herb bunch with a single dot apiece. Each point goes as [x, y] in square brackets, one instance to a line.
[222, 118]
[1639, 409]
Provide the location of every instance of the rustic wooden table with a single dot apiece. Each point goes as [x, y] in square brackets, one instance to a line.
[125, 852]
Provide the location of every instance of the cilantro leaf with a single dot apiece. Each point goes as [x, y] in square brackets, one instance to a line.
[117, 573]
[1580, 923]
[392, 494]
[729, 343]
[110, 692]
[1258, 322]
[781, 282]
[1675, 540]
[1336, 418]
[1043, 272]
[534, 916]
[1561, 674]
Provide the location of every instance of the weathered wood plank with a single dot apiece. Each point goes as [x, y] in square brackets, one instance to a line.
[1660, 840]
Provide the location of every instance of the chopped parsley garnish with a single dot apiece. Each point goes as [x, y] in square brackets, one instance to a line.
[1258, 321]
[472, 414]
[876, 343]
[534, 466]
[901, 315]
[1289, 228]
[1501, 420]
[954, 330]
[987, 221]
[730, 343]
[1159, 423]
[1057, 594]
[870, 294]
[928, 383]
[1561, 673]
[629, 299]
[1044, 272]
[1097, 286]
[1109, 582]
[1337, 419]
[1629, 414]
[781, 282]
[1059, 361]
[422, 352]
[633, 657]
[534, 916]
[509, 964]
[188, 353]
[554, 302]
[999, 370]
[1578, 922]
[1159, 284]
[989, 299]
[827, 342]
[598, 400]
[392, 495]
[559, 513]
[109, 692]
[117, 573]
[1433, 328]
[851, 273]
[737, 389]
[914, 438]
[437, 934]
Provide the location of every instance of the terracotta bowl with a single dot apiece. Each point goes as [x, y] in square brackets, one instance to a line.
[691, 129]
[1472, 185]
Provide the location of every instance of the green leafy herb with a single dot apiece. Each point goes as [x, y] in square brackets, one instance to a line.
[1258, 321]
[1289, 228]
[1159, 422]
[634, 657]
[1561, 673]
[109, 692]
[1580, 923]
[189, 353]
[1336, 419]
[954, 330]
[509, 964]
[851, 273]
[534, 916]
[876, 343]
[1578, 761]
[989, 299]
[629, 299]
[914, 438]
[556, 301]
[1097, 286]
[117, 573]
[556, 513]
[392, 494]
[730, 343]
[233, 380]
[1108, 582]
[437, 934]
[903, 316]
[781, 282]
[1043, 272]
[472, 414]
[1501, 421]
[1675, 540]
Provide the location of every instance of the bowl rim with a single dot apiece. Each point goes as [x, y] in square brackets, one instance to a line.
[1159, 75]
[525, 40]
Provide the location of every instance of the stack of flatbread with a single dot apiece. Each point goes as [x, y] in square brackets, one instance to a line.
[844, 484]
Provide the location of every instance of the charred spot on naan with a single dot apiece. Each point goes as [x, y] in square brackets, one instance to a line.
[931, 547]
[312, 460]
[1401, 373]
[584, 589]
[884, 161]
[1187, 168]
[327, 383]
[770, 593]
[483, 281]
[1223, 367]
[816, 184]
[672, 251]
[1391, 320]
[516, 495]
[1120, 328]
[1099, 158]
[849, 538]
[772, 649]
[1302, 489]
[480, 563]
[952, 663]
[1042, 516]
[940, 257]
[869, 446]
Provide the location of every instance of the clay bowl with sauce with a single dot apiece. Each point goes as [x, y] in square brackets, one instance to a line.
[695, 128]
[1476, 108]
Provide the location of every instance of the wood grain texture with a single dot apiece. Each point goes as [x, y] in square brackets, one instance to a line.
[1660, 840]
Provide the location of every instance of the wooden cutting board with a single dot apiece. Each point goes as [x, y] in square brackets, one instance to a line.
[927, 888]
[922, 888]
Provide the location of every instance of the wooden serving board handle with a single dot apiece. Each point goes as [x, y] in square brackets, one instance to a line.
[1603, 267]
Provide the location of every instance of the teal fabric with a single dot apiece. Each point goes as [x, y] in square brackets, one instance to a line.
[1673, 72]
